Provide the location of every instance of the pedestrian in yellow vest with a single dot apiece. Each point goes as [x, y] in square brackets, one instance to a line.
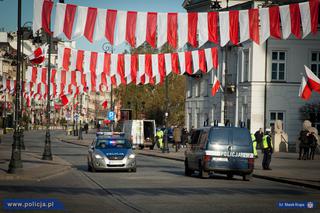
[159, 135]
[267, 150]
[254, 145]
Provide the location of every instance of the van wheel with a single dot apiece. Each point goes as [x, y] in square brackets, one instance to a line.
[246, 177]
[202, 174]
[187, 171]
[134, 170]
[229, 175]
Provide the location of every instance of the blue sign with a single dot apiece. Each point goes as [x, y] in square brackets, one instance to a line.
[111, 115]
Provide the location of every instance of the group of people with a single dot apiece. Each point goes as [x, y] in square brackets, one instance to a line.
[308, 141]
[179, 136]
[259, 139]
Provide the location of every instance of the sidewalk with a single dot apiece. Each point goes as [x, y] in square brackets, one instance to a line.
[34, 168]
[285, 166]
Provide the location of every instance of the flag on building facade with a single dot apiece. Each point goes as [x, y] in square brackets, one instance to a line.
[216, 86]
[105, 104]
[312, 80]
[304, 91]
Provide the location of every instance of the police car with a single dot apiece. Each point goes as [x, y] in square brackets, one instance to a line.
[111, 151]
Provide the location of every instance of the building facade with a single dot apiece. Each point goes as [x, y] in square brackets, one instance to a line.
[261, 85]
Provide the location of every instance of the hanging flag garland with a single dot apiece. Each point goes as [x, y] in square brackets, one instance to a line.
[126, 68]
[177, 29]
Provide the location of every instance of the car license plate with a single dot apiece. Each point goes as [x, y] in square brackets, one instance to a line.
[115, 162]
[220, 159]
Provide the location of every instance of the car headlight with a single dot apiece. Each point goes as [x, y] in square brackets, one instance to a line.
[131, 156]
[97, 156]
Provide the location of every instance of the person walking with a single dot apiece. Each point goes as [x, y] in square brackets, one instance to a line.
[177, 137]
[312, 142]
[267, 150]
[86, 127]
[184, 137]
[259, 135]
[304, 142]
[254, 145]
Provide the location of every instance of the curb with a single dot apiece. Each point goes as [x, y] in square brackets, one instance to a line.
[39, 178]
[72, 142]
[165, 157]
[281, 180]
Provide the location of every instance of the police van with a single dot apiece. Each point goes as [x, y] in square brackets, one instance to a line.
[224, 150]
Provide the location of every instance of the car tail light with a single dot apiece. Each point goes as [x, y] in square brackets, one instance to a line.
[250, 163]
[207, 158]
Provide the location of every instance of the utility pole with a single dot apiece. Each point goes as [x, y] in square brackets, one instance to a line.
[15, 161]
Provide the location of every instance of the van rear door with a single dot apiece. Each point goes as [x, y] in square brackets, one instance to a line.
[241, 154]
[219, 145]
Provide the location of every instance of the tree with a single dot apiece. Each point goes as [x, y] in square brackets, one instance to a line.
[153, 96]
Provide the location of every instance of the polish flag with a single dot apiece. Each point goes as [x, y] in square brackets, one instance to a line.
[216, 86]
[38, 55]
[313, 80]
[64, 100]
[105, 104]
[304, 91]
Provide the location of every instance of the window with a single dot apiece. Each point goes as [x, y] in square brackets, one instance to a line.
[189, 91]
[278, 66]
[276, 116]
[190, 120]
[245, 68]
[315, 63]
[198, 120]
[206, 87]
[198, 86]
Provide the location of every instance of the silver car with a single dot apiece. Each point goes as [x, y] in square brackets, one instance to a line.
[111, 153]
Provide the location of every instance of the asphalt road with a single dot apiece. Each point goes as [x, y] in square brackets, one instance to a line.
[158, 186]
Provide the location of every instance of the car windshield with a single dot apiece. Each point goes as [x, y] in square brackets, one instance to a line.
[113, 144]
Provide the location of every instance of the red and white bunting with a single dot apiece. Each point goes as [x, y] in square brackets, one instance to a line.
[177, 29]
[42, 15]
[140, 69]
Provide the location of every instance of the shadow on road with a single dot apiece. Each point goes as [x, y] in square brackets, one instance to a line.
[181, 191]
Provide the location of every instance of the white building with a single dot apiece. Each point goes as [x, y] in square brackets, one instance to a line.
[261, 85]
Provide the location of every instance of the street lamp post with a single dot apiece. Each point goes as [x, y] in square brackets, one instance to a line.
[166, 146]
[22, 83]
[4, 114]
[15, 161]
[107, 48]
[80, 111]
[47, 155]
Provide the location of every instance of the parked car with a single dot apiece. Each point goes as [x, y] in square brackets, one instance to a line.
[111, 153]
[225, 150]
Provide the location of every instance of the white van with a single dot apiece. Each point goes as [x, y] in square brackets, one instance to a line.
[142, 133]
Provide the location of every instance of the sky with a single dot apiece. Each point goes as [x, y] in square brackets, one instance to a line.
[8, 12]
